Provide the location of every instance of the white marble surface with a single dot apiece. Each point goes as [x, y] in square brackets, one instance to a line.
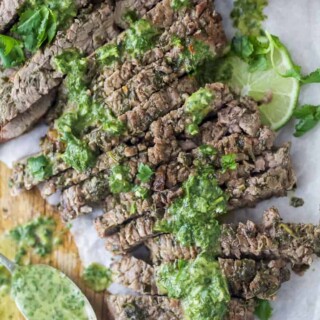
[297, 23]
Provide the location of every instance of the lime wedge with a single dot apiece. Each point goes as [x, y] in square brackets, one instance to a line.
[284, 92]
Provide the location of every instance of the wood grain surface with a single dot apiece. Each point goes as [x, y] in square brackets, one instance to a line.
[29, 205]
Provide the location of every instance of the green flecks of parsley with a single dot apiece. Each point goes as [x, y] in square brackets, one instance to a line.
[197, 107]
[11, 52]
[144, 172]
[179, 4]
[37, 235]
[120, 179]
[97, 277]
[141, 192]
[263, 310]
[39, 167]
[247, 16]
[108, 54]
[228, 162]
[192, 217]
[77, 154]
[36, 27]
[308, 116]
[140, 37]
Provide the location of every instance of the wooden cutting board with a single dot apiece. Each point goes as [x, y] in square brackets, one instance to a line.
[29, 205]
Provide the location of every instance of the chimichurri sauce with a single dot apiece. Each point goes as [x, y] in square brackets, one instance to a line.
[42, 292]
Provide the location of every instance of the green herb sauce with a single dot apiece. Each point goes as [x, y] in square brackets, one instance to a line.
[120, 179]
[199, 284]
[179, 4]
[97, 277]
[192, 217]
[37, 235]
[39, 167]
[45, 293]
[197, 107]
[141, 37]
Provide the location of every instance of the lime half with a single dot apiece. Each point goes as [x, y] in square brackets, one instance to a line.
[281, 93]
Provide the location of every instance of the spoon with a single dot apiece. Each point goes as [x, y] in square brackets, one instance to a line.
[38, 272]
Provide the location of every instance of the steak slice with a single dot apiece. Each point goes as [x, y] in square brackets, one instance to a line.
[162, 308]
[273, 239]
[38, 77]
[9, 10]
[170, 176]
[246, 278]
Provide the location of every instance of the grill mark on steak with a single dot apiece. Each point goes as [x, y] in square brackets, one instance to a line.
[246, 278]
[273, 239]
[38, 77]
[170, 176]
[162, 308]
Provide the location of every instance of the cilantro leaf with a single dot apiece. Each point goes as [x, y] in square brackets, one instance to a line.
[263, 310]
[144, 172]
[35, 27]
[39, 167]
[228, 162]
[247, 16]
[242, 46]
[11, 52]
[120, 179]
[141, 192]
[309, 117]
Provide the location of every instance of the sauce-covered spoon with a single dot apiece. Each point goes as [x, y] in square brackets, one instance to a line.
[43, 292]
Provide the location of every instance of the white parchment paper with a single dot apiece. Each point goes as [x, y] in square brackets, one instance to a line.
[297, 23]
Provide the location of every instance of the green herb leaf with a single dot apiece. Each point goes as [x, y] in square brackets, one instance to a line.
[39, 167]
[35, 27]
[144, 172]
[141, 192]
[208, 150]
[179, 4]
[263, 310]
[120, 179]
[309, 117]
[247, 16]
[242, 46]
[108, 54]
[11, 52]
[228, 162]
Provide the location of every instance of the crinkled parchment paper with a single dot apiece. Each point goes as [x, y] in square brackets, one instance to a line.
[297, 23]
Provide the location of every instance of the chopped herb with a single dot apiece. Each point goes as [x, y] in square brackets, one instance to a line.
[11, 52]
[198, 107]
[120, 179]
[263, 309]
[248, 15]
[179, 4]
[141, 37]
[192, 217]
[199, 284]
[39, 167]
[37, 235]
[296, 202]
[308, 116]
[131, 17]
[141, 192]
[36, 27]
[208, 150]
[228, 162]
[97, 277]
[144, 172]
[78, 155]
[108, 54]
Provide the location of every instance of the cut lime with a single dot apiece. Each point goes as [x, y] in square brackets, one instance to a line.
[260, 85]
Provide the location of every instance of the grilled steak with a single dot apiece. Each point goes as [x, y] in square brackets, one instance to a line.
[163, 308]
[273, 239]
[33, 83]
[246, 278]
